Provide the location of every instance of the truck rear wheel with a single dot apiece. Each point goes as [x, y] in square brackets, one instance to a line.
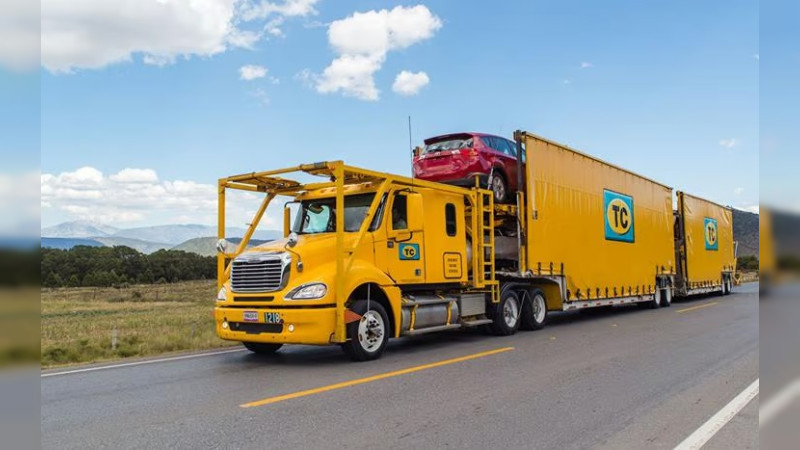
[506, 314]
[368, 336]
[262, 348]
[534, 310]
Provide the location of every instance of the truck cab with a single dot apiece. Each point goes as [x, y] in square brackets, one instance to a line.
[365, 256]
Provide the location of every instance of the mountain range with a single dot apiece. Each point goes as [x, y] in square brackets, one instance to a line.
[191, 237]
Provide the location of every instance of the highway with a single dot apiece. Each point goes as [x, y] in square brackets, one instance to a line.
[626, 378]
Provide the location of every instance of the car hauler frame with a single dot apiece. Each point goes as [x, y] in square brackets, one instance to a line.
[704, 247]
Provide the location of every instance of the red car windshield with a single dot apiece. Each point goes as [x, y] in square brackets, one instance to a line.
[449, 144]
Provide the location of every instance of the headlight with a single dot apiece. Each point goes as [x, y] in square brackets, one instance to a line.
[222, 294]
[308, 292]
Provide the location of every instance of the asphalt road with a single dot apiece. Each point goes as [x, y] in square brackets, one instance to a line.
[628, 378]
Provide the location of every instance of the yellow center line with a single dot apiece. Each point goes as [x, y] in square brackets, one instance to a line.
[382, 376]
[696, 307]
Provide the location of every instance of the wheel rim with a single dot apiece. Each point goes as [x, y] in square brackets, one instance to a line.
[538, 309]
[499, 188]
[371, 331]
[511, 312]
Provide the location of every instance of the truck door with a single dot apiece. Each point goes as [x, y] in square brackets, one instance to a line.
[403, 252]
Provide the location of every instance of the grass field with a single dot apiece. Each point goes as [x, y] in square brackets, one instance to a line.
[95, 324]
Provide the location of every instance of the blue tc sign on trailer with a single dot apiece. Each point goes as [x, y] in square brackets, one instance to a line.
[618, 216]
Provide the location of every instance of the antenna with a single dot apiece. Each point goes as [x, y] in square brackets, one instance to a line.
[410, 145]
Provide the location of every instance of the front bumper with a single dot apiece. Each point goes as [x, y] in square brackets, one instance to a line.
[313, 326]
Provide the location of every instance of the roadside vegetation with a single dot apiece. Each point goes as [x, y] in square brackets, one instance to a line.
[121, 266]
[89, 324]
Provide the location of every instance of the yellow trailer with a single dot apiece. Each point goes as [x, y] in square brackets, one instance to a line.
[592, 234]
[704, 247]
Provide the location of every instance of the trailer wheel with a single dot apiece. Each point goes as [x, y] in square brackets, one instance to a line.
[506, 314]
[656, 302]
[262, 348]
[666, 297]
[367, 337]
[534, 310]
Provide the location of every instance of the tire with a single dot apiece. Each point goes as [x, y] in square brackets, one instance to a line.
[656, 302]
[666, 298]
[506, 314]
[499, 187]
[534, 311]
[367, 338]
[262, 348]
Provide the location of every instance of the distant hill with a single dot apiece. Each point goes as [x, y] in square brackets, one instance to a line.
[745, 231]
[145, 247]
[207, 246]
[68, 243]
[177, 234]
[78, 229]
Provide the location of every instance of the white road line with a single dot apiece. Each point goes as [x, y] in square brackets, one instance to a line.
[778, 402]
[140, 363]
[718, 420]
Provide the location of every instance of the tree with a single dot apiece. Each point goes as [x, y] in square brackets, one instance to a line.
[73, 281]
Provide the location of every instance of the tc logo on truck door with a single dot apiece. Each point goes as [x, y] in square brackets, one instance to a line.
[409, 252]
[710, 233]
[618, 216]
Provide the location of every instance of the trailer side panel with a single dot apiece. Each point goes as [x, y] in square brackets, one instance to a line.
[610, 228]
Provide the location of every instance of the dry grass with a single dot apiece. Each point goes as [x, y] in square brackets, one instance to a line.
[80, 324]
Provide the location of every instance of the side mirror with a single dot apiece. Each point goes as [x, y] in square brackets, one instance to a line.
[291, 240]
[287, 221]
[222, 246]
[414, 208]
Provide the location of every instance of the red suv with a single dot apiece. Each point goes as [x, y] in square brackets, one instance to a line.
[458, 158]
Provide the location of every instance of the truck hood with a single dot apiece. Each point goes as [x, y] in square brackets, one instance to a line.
[309, 246]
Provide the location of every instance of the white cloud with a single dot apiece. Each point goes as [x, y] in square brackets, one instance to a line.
[586, 65]
[135, 195]
[91, 34]
[19, 34]
[273, 27]
[738, 190]
[362, 42]
[135, 176]
[19, 204]
[567, 82]
[408, 83]
[264, 9]
[252, 72]
[728, 143]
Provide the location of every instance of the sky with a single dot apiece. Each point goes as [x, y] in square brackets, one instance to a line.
[145, 104]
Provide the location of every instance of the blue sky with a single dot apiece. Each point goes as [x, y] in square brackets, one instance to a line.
[667, 89]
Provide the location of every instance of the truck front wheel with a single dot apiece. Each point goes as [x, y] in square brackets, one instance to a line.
[262, 348]
[506, 314]
[368, 336]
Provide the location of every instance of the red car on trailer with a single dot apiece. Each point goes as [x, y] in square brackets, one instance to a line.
[459, 157]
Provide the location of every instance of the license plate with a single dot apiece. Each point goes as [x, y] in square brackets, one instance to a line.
[251, 316]
[272, 317]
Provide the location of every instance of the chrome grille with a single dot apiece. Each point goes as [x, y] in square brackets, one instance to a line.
[259, 272]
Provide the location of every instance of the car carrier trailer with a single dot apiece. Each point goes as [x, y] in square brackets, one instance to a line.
[371, 256]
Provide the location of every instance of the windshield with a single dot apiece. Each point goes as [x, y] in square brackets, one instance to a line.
[449, 144]
[319, 215]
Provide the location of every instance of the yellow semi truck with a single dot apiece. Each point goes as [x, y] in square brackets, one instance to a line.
[370, 256]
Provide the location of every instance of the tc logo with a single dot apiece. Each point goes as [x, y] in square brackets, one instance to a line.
[618, 216]
[711, 234]
[409, 252]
